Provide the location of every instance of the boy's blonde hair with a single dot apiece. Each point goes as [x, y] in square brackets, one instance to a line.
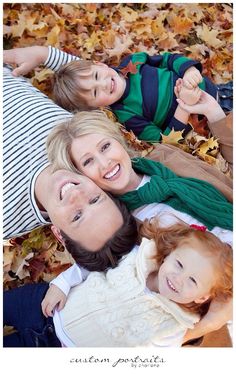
[67, 91]
[60, 139]
[167, 239]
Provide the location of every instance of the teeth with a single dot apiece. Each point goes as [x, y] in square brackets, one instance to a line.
[112, 173]
[171, 285]
[66, 187]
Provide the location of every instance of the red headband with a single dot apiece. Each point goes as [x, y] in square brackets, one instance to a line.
[197, 227]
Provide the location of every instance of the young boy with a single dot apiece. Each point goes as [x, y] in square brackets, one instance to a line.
[140, 91]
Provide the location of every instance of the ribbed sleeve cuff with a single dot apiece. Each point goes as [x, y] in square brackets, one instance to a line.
[178, 126]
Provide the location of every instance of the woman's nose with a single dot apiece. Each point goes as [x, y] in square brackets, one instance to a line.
[104, 162]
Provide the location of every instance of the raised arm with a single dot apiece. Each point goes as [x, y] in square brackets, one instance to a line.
[26, 59]
[29, 58]
[221, 126]
[218, 315]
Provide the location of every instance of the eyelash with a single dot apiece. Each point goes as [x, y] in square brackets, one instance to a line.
[96, 78]
[105, 146]
[77, 216]
[94, 200]
[181, 266]
[179, 263]
[193, 280]
[86, 162]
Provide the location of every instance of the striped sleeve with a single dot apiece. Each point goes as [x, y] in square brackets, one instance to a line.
[57, 58]
[28, 117]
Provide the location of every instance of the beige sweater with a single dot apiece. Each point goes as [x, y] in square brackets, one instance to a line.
[115, 309]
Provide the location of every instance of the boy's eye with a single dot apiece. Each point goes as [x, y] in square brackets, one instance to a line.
[94, 200]
[193, 280]
[95, 93]
[86, 162]
[77, 216]
[105, 146]
[179, 264]
[96, 76]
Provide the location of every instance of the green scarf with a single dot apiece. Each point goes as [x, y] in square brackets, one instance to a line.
[195, 197]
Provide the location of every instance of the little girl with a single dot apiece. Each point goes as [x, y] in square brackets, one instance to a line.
[157, 292]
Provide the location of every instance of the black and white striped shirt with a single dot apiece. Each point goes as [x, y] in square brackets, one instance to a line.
[28, 117]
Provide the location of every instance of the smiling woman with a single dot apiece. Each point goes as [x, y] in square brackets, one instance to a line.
[92, 144]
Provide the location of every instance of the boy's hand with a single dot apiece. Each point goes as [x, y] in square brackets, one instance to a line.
[26, 58]
[192, 77]
[54, 297]
[188, 96]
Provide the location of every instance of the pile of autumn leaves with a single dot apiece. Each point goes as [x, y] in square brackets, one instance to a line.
[107, 32]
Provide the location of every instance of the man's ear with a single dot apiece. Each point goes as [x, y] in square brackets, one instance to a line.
[202, 299]
[57, 233]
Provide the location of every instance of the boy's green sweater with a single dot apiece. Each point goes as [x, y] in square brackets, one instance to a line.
[148, 104]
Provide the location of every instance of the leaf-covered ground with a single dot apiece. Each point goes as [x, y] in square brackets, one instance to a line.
[108, 32]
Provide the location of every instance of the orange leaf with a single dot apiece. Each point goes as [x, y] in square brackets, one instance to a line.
[130, 68]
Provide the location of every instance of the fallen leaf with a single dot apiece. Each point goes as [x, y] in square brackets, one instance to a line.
[173, 137]
[209, 36]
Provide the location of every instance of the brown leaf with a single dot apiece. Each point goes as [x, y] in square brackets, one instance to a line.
[130, 68]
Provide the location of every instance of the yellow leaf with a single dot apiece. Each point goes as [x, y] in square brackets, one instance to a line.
[142, 27]
[25, 21]
[157, 24]
[180, 25]
[173, 137]
[42, 74]
[52, 36]
[128, 14]
[208, 146]
[92, 42]
[121, 46]
[167, 41]
[209, 36]
[197, 50]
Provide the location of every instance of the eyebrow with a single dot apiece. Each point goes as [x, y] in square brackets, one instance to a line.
[102, 199]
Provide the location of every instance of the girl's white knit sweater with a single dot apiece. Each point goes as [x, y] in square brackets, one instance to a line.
[115, 309]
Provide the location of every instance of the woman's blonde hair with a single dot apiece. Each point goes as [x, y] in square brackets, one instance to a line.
[67, 90]
[60, 139]
[167, 239]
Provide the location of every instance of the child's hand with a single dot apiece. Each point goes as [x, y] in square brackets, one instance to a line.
[190, 96]
[187, 96]
[192, 77]
[26, 58]
[54, 297]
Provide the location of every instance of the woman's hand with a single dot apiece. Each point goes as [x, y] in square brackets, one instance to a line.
[192, 77]
[54, 297]
[206, 105]
[25, 58]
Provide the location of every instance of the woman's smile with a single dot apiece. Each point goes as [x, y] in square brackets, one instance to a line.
[114, 173]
